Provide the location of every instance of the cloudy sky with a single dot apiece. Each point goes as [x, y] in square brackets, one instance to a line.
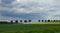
[29, 9]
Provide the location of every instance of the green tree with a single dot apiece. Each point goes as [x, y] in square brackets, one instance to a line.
[45, 20]
[25, 21]
[42, 20]
[38, 20]
[21, 21]
[29, 20]
[54, 20]
[48, 20]
[16, 21]
[11, 21]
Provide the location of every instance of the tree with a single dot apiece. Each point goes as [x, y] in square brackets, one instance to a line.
[45, 20]
[42, 20]
[16, 21]
[25, 21]
[38, 20]
[4, 22]
[29, 20]
[20, 21]
[11, 21]
[54, 21]
[48, 20]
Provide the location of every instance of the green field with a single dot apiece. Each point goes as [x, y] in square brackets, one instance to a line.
[29, 28]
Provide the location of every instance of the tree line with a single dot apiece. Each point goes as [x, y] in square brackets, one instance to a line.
[16, 21]
[48, 20]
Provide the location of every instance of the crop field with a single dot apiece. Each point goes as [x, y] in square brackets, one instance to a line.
[29, 28]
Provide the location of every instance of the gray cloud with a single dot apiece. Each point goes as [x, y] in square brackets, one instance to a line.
[49, 7]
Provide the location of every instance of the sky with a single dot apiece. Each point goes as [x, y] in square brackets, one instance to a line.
[29, 9]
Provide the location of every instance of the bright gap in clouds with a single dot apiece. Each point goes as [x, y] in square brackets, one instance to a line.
[18, 1]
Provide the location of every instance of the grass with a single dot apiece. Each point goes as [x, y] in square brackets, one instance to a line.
[29, 28]
[42, 23]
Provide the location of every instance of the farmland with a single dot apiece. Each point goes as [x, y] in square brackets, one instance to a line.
[29, 28]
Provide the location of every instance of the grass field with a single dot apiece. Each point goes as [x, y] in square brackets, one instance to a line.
[29, 28]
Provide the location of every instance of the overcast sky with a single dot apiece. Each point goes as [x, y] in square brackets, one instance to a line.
[29, 9]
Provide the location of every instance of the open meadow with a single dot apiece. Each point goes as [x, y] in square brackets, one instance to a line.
[29, 28]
